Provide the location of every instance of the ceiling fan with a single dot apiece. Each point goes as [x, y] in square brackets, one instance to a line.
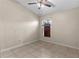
[42, 2]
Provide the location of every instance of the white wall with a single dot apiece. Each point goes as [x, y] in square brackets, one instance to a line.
[17, 25]
[65, 28]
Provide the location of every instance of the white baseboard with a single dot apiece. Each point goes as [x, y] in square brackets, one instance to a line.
[66, 45]
[22, 44]
[62, 44]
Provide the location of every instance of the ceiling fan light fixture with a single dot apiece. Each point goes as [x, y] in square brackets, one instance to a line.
[38, 4]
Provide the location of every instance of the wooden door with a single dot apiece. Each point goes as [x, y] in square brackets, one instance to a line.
[47, 30]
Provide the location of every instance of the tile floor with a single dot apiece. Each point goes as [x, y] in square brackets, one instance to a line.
[41, 49]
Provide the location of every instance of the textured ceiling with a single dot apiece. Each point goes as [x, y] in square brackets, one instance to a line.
[60, 5]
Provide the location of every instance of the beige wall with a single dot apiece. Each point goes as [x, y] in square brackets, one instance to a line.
[65, 28]
[17, 25]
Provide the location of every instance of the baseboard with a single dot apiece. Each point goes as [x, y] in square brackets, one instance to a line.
[66, 45]
[62, 44]
[17, 46]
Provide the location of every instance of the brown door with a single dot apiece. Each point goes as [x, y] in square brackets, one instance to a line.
[47, 30]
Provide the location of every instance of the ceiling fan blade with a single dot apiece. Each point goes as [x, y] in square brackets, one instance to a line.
[50, 3]
[31, 3]
[47, 5]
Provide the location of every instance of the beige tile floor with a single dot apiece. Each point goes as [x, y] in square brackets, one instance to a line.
[41, 49]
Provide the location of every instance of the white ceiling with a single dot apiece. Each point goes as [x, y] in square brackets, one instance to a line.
[60, 5]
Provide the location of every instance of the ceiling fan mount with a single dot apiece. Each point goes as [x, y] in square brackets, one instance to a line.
[42, 2]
